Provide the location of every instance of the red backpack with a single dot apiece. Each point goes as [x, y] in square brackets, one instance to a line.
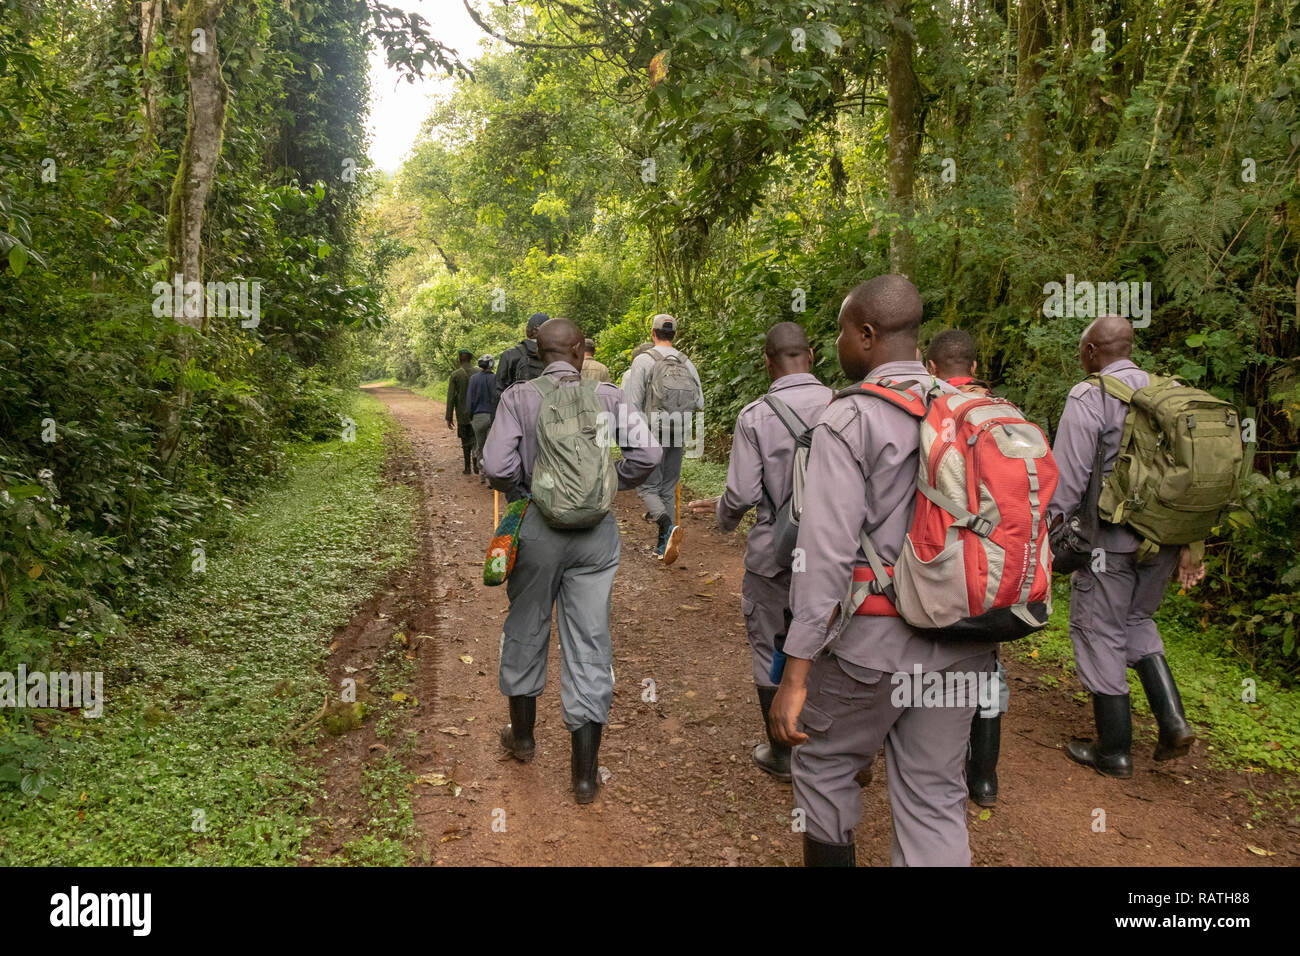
[976, 565]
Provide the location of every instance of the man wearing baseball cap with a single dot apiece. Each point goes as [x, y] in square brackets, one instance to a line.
[519, 363]
[663, 385]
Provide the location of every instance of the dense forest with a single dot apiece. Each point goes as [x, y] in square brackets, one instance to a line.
[739, 164]
[148, 147]
[197, 266]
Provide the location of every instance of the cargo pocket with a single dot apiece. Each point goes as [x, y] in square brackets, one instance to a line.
[849, 683]
[814, 721]
[749, 611]
[1083, 588]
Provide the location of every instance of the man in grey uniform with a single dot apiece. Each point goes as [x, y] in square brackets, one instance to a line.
[951, 357]
[1113, 598]
[838, 699]
[569, 570]
[758, 476]
[659, 492]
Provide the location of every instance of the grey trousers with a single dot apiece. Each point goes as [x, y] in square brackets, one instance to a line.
[766, 604]
[1110, 617]
[482, 424]
[1004, 692]
[571, 572]
[849, 713]
[659, 491]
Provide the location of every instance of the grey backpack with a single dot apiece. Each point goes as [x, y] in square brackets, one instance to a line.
[672, 386]
[574, 481]
[785, 521]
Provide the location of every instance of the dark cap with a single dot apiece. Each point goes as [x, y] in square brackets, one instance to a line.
[536, 319]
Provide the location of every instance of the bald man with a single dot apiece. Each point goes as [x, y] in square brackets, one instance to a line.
[836, 703]
[565, 570]
[759, 476]
[1112, 600]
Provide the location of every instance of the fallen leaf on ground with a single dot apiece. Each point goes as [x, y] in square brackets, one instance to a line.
[465, 658]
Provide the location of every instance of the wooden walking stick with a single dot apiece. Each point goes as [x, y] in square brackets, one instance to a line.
[496, 508]
[678, 518]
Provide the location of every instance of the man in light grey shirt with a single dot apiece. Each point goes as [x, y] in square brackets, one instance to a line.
[759, 476]
[836, 703]
[1113, 597]
[568, 570]
[672, 426]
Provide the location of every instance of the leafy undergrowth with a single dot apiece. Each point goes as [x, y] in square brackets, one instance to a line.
[436, 390]
[705, 479]
[192, 760]
[1258, 734]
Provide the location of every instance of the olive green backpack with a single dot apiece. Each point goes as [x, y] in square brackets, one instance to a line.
[574, 481]
[1178, 465]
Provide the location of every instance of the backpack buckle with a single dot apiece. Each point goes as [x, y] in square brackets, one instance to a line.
[981, 526]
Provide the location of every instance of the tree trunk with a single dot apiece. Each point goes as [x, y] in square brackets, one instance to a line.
[194, 177]
[202, 148]
[151, 12]
[1031, 39]
[904, 136]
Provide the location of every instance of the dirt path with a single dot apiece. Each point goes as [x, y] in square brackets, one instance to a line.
[682, 789]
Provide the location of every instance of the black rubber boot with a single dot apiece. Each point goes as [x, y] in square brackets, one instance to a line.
[816, 853]
[982, 763]
[517, 736]
[772, 757]
[1176, 734]
[1111, 752]
[586, 750]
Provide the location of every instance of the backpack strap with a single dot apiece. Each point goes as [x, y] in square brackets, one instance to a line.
[1110, 385]
[789, 417]
[545, 384]
[897, 393]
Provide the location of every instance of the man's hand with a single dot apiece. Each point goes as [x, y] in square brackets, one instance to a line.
[788, 703]
[1190, 570]
[702, 506]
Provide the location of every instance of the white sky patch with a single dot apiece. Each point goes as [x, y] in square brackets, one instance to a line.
[397, 108]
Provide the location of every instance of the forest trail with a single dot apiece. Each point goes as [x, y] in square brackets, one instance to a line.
[682, 789]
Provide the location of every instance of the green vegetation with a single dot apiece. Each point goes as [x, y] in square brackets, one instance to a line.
[734, 162]
[210, 152]
[1260, 733]
[741, 164]
[197, 756]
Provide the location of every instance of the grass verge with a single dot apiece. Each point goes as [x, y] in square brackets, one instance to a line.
[1252, 722]
[192, 761]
